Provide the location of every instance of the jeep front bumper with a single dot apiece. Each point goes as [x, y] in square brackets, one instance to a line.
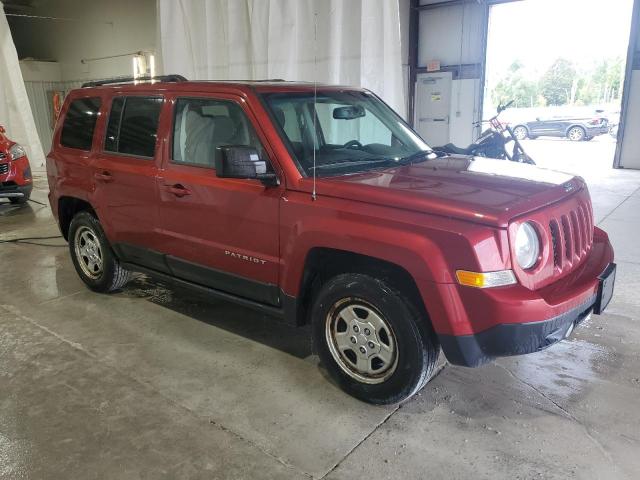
[477, 325]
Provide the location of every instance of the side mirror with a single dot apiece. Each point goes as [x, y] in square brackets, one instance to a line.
[243, 162]
[538, 119]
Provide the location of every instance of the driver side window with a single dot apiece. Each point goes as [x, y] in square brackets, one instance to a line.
[202, 125]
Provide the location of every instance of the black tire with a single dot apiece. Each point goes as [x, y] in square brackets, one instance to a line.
[19, 200]
[111, 276]
[521, 132]
[576, 134]
[416, 347]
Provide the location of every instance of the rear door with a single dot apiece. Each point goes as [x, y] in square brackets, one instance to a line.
[124, 172]
[218, 232]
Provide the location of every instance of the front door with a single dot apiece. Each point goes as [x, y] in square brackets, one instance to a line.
[433, 103]
[217, 232]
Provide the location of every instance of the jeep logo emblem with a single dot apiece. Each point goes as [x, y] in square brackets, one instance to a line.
[569, 187]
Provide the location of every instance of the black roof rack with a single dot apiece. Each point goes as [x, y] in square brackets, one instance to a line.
[160, 78]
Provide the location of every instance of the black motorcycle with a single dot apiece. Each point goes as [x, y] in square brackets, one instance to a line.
[494, 142]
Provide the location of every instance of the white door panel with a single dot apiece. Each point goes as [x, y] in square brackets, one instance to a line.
[433, 103]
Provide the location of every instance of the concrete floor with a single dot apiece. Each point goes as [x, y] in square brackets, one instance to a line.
[152, 383]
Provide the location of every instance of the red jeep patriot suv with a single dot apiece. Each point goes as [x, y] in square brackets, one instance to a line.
[320, 204]
[15, 173]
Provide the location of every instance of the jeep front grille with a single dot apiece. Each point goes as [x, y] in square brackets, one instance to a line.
[571, 236]
[4, 168]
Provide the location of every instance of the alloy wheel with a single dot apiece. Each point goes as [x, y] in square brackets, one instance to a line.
[520, 133]
[361, 341]
[576, 134]
[88, 252]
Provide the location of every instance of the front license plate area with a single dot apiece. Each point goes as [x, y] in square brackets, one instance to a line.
[607, 281]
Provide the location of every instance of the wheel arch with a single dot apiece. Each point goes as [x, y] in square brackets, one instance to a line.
[324, 263]
[69, 207]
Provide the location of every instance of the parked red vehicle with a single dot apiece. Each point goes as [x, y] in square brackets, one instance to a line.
[15, 173]
[326, 207]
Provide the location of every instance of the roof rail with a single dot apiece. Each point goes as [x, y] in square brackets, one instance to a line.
[160, 78]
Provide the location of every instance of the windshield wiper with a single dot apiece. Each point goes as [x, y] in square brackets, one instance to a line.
[376, 161]
[422, 156]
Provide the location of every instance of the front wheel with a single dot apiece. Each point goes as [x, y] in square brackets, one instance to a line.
[372, 340]
[92, 255]
[576, 134]
[520, 132]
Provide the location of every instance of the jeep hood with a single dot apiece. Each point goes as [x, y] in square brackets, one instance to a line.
[480, 190]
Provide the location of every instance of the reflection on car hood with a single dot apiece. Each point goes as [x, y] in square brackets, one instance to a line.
[482, 190]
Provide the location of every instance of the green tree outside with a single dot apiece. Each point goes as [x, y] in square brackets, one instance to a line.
[561, 84]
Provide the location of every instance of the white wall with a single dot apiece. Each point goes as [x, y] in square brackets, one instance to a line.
[404, 8]
[630, 148]
[454, 35]
[35, 71]
[96, 28]
[444, 36]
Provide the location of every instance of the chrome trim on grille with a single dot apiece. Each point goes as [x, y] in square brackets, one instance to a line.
[4, 168]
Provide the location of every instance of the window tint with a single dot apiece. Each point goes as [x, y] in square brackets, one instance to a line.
[202, 125]
[79, 123]
[133, 125]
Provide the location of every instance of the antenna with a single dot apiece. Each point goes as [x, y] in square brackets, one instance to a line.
[315, 99]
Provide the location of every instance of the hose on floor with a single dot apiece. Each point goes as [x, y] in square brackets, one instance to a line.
[28, 241]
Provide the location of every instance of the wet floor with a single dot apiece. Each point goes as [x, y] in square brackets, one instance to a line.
[156, 383]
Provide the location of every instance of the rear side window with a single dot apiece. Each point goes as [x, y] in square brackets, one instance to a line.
[133, 126]
[79, 123]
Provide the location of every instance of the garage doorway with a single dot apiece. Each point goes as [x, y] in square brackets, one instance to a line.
[563, 64]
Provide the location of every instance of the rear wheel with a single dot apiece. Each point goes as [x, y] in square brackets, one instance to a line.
[576, 134]
[372, 340]
[92, 255]
[520, 132]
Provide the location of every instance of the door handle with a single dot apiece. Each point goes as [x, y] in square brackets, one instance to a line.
[103, 176]
[178, 190]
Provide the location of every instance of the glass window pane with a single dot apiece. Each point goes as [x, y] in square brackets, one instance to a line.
[336, 132]
[139, 126]
[79, 123]
[203, 125]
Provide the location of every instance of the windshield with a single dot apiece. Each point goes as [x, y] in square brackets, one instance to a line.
[354, 132]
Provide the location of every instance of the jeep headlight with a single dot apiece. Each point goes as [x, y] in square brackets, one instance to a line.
[527, 246]
[17, 151]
